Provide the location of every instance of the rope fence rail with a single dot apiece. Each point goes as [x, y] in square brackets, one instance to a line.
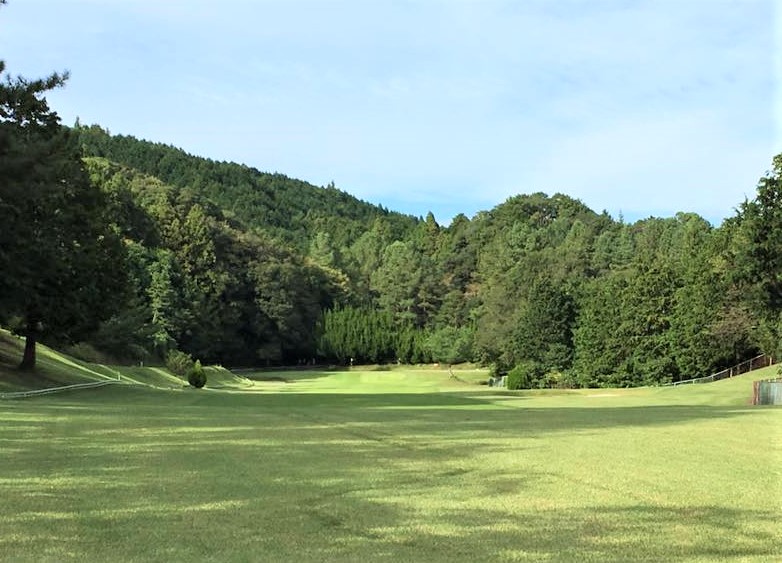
[752, 364]
[50, 390]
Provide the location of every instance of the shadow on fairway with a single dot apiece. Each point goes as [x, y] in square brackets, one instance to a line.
[133, 474]
[617, 533]
[439, 412]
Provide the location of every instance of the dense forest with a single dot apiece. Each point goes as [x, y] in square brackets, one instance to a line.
[135, 249]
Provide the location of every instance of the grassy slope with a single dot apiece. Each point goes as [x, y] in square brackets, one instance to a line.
[55, 369]
[390, 466]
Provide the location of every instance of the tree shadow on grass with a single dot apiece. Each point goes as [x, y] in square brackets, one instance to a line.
[606, 533]
[152, 476]
[316, 518]
[446, 412]
[439, 412]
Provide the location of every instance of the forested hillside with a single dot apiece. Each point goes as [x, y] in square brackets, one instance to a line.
[139, 249]
[289, 209]
[540, 283]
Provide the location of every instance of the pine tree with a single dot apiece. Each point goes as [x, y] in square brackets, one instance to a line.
[63, 266]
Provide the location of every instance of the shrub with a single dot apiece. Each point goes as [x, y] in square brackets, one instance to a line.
[88, 353]
[569, 380]
[556, 380]
[525, 375]
[179, 363]
[196, 376]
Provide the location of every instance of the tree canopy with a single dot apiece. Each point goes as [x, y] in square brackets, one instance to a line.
[62, 263]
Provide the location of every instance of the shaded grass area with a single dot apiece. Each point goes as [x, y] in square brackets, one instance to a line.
[348, 467]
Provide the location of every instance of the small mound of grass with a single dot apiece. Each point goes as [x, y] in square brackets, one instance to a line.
[217, 377]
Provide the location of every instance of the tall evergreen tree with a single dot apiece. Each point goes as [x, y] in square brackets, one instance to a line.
[758, 259]
[544, 332]
[63, 265]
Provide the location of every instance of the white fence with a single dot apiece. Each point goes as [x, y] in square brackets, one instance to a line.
[755, 363]
[49, 390]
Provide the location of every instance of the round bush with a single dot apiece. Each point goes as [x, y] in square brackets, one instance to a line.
[196, 376]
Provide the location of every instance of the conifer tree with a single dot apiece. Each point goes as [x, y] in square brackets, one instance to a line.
[63, 266]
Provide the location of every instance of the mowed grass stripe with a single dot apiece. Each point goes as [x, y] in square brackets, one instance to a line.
[391, 467]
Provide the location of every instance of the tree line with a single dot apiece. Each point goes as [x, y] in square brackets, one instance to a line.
[139, 249]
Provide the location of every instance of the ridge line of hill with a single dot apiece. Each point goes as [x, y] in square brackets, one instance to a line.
[287, 207]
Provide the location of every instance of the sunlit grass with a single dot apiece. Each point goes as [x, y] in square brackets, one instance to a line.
[391, 466]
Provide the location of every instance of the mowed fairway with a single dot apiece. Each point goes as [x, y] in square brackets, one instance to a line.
[391, 466]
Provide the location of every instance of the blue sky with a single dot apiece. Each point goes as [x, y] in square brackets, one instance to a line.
[635, 107]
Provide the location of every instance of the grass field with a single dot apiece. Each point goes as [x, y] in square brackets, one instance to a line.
[390, 466]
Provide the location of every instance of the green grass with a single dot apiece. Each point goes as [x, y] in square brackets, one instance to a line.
[397, 465]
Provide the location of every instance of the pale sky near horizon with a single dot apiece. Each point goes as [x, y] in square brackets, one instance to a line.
[635, 107]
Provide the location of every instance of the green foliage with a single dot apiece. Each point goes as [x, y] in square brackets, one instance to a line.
[756, 260]
[544, 329]
[292, 211]
[525, 375]
[127, 335]
[411, 346]
[88, 353]
[600, 349]
[397, 281]
[196, 376]
[208, 287]
[533, 259]
[365, 335]
[179, 363]
[591, 301]
[63, 264]
[450, 345]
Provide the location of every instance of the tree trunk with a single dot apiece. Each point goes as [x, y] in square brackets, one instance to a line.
[28, 360]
